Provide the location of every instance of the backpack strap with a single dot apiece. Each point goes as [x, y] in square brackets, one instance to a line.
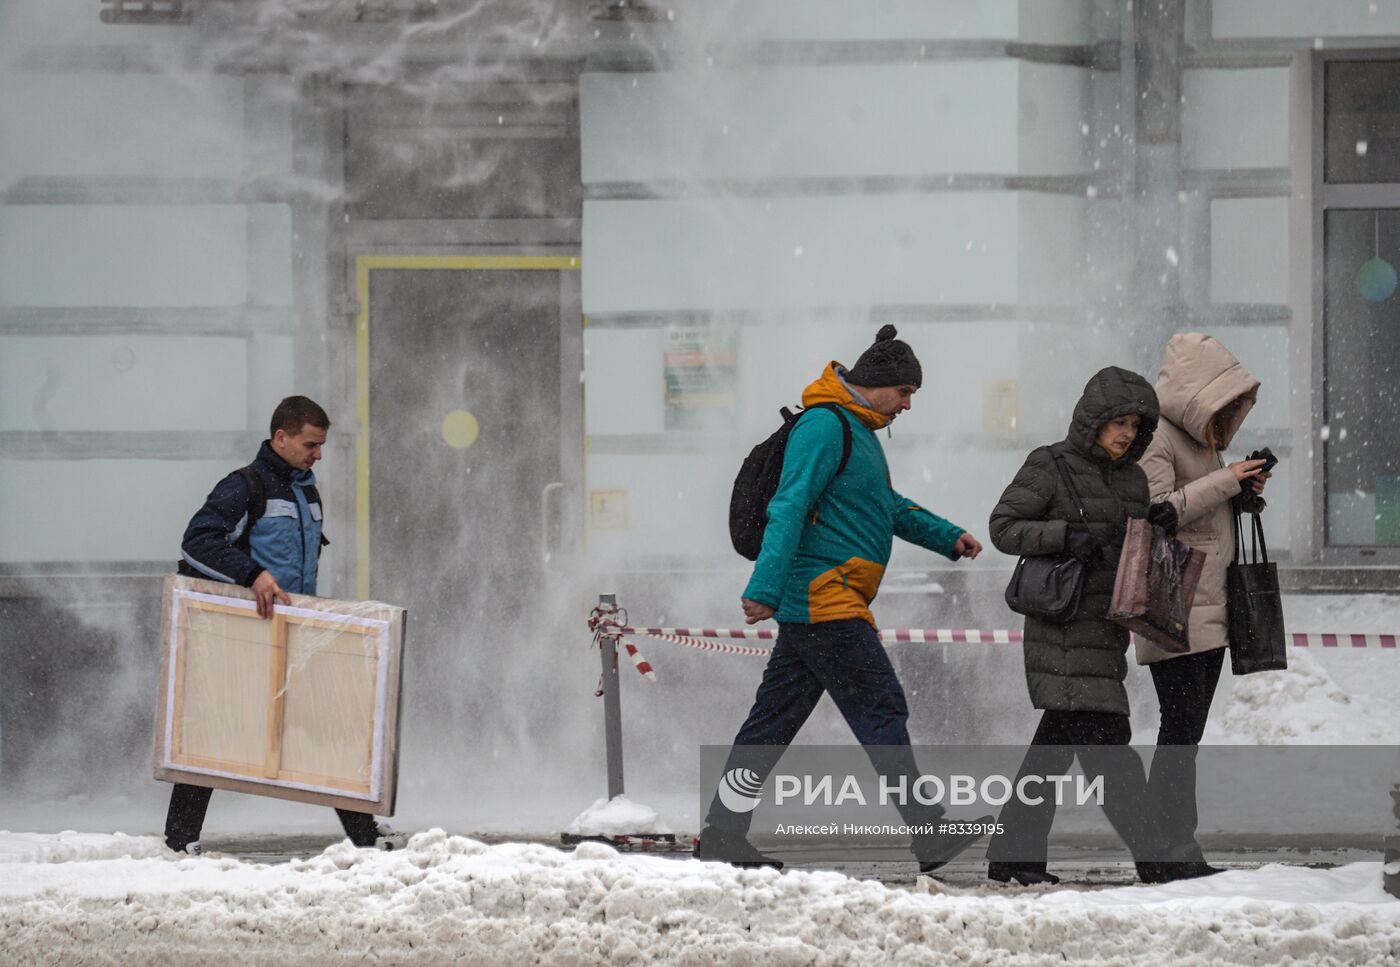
[845, 433]
[313, 494]
[257, 503]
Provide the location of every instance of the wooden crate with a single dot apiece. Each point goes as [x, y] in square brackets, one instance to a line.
[303, 706]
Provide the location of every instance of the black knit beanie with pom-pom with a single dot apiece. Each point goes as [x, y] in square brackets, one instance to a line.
[888, 362]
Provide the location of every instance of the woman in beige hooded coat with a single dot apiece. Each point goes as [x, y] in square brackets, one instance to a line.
[1205, 394]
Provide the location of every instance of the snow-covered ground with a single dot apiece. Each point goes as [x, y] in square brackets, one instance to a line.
[95, 898]
[446, 899]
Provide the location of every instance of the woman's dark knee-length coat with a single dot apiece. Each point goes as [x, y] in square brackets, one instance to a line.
[1079, 665]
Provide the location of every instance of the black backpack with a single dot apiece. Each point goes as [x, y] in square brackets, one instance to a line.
[758, 480]
[257, 506]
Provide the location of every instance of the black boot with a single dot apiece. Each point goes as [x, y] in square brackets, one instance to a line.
[935, 850]
[1026, 874]
[725, 847]
[1149, 872]
[185, 817]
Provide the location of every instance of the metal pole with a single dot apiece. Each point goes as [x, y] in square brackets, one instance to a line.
[612, 700]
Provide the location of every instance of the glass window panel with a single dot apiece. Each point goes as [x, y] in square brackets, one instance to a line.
[1363, 121]
[1362, 320]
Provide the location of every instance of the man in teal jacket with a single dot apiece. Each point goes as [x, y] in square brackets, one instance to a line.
[825, 548]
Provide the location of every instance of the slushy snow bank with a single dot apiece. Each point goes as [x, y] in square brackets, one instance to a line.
[71, 847]
[618, 816]
[449, 899]
[1300, 705]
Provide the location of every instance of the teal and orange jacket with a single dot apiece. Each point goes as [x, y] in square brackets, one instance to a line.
[829, 535]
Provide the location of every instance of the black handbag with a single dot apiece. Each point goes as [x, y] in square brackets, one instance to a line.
[1254, 608]
[1049, 586]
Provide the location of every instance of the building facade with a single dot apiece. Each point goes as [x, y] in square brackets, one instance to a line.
[553, 268]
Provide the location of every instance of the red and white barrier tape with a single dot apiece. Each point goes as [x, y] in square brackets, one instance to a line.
[752, 634]
[692, 637]
[929, 636]
[642, 664]
[1309, 639]
[701, 645]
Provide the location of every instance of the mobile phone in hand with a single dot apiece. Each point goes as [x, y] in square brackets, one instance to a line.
[1266, 455]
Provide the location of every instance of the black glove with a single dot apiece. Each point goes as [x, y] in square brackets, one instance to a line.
[1163, 516]
[1081, 543]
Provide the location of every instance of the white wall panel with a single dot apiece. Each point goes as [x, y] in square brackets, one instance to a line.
[837, 20]
[1050, 114]
[100, 510]
[794, 252]
[121, 124]
[268, 123]
[52, 22]
[1305, 18]
[624, 387]
[1041, 21]
[854, 121]
[989, 117]
[1249, 250]
[1051, 248]
[123, 255]
[122, 383]
[1235, 118]
[270, 255]
[961, 361]
[1063, 21]
[676, 506]
[1263, 350]
[1056, 360]
[778, 360]
[272, 376]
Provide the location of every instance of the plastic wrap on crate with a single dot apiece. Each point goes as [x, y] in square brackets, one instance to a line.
[303, 705]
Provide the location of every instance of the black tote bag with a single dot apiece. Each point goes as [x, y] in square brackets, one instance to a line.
[1253, 606]
[1049, 586]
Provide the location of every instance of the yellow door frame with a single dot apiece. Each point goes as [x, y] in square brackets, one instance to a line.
[364, 265]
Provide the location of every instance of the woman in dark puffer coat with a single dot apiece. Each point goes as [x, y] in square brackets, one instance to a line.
[1075, 497]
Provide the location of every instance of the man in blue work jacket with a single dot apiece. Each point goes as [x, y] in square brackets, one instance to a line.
[260, 527]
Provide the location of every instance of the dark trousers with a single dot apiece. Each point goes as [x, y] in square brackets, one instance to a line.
[1100, 741]
[188, 804]
[845, 659]
[1185, 687]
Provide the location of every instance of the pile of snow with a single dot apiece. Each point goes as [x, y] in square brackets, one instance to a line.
[1301, 705]
[71, 847]
[448, 899]
[618, 816]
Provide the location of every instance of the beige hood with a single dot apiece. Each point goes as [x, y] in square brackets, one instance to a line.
[1198, 378]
